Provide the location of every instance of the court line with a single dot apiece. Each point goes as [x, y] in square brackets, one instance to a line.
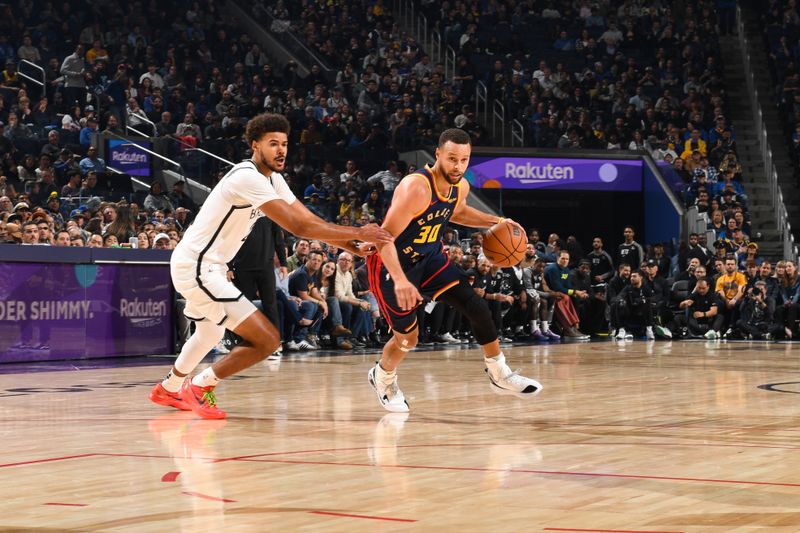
[526, 471]
[606, 530]
[207, 497]
[67, 504]
[49, 459]
[348, 515]
[170, 476]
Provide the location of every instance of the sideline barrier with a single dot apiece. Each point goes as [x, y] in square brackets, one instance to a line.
[75, 303]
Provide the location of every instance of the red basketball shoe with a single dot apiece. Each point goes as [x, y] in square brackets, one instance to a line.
[162, 396]
[201, 400]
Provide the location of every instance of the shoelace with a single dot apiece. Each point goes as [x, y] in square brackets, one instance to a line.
[210, 398]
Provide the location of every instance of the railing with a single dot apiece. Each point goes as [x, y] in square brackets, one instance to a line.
[499, 116]
[517, 134]
[481, 99]
[776, 196]
[449, 63]
[143, 118]
[41, 83]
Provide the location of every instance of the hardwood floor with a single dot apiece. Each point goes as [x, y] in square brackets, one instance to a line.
[643, 437]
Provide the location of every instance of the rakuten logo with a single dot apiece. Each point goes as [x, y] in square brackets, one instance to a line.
[539, 173]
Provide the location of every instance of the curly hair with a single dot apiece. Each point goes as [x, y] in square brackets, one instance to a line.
[454, 135]
[264, 123]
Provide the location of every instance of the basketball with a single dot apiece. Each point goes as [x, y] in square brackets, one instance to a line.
[504, 244]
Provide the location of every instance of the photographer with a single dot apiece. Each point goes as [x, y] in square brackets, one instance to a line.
[633, 309]
[702, 308]
[756, 318]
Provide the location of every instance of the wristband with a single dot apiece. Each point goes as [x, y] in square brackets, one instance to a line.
[569, 292]
[499, 220]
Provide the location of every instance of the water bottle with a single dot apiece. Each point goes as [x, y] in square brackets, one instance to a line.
[134, 242]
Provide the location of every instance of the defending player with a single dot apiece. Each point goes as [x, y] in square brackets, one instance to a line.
[423, 203]
[251, 189]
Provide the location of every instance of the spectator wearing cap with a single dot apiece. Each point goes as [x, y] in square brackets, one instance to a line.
[23, 209]
[65, 163]
[157, 200]
[53, 208]
[749, 255]
[161, 242]
[10, 78]
[92, 163]
[88, 131]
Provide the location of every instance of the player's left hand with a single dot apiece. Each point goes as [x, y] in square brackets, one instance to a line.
[375, 234]
[515, 223]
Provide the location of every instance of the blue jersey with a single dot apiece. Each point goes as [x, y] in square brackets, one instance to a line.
[421, 238]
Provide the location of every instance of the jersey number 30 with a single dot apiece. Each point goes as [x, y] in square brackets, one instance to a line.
[428, 234]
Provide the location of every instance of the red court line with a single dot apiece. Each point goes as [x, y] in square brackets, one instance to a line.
[363, 516]
[207, 497]
[170, 476]
[606, 530]
[50, 459]
[68, 504]
[524, 471]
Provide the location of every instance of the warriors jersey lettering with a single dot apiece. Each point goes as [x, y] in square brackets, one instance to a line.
[421, 237]
[228, 215]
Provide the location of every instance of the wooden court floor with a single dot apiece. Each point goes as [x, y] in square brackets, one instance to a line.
[631, 437]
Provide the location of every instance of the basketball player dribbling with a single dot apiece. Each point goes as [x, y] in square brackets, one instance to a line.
[415, 263]
[198, 266]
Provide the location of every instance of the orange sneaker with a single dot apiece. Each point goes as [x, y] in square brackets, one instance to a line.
[162, 396]
[201, 400]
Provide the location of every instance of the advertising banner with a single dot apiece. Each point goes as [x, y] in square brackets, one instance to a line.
[54, 311]
[123, 156]
[555, 174]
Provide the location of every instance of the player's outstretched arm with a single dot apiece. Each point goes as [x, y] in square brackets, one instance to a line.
[303, 223]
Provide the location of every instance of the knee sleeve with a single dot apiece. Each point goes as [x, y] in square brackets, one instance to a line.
[205, 337]
[463, 299]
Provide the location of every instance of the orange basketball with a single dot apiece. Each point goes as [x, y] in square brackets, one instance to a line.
[504, 244]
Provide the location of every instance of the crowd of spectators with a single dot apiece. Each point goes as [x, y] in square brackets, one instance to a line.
[781, 25]
[621, 75]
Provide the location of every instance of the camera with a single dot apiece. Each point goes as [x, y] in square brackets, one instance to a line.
[756, 292]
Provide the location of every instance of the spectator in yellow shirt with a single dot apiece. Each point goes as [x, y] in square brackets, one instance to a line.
[730, 288]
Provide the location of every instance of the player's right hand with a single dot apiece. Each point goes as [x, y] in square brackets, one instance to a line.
[408, 297]
[374, 233]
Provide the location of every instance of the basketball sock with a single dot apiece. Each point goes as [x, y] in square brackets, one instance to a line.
[385, 376]
[534, 325]
[206, 378]
[545, 326]
[173, 382]
[497, 366]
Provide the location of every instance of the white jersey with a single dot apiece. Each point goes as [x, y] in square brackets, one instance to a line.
[228, 215]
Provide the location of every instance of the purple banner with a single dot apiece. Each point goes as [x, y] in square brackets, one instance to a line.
[555, 174]
[58, 311]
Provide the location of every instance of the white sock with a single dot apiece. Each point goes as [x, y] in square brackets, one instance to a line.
[534, 325]
[497, 365]
[545, 326]
[206, 378]
[173, 382]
